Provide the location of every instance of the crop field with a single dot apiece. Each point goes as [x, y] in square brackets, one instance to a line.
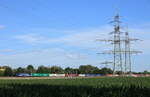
[76, 87]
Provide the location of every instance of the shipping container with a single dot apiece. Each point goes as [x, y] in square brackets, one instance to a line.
[23, 75]
[109, 75]
[71, 75]
[39, 74]
[81, 75]
[93, 75]
[60, 75]
[52, 75]
[115, 75]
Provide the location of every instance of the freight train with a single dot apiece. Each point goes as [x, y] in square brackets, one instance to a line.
[56, 75]
[75, 75]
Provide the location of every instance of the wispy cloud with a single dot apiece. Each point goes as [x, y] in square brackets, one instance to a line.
[84, 39]
[2, 26]
[32, 39]
[48, 57]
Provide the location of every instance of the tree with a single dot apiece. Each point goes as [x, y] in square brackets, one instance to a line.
[30, 69]
[1, 73]
[145, 72]
[43, 69]
[20, 70]
[106, 71]
[71, 70]
[8, 71]
[119, 72]
[88, 69]
[76, 71]
[2, 69]
[56, 69]
[96, 71]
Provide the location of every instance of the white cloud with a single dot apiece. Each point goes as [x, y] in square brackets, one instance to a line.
[144, 37]
[84, 39]
[76, 56]
[6, 50]
[31, 38]
[49, 57]
[2, 26]
[87, 39]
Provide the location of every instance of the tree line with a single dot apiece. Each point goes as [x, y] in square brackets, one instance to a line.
[83, 69]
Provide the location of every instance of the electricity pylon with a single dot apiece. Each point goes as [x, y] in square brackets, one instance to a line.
[128, 53]
[117, 64]
[121, 48]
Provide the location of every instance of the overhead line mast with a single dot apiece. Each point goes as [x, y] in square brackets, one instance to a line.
[116, 42]
[121, 48]
[128, 52]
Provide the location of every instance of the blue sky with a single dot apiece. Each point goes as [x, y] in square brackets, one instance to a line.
[63, 32]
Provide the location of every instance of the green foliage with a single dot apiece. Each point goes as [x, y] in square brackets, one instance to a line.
[43, 69]
[88, 87]
[30, 69]
[88, 69]
[1, 73]
[56, 69]
[20, 70]
[146, 72]
[106, 71]
[8, 72]
[69, 70]
[83, 69]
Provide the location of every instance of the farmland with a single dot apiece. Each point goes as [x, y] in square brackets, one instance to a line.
[76, 87]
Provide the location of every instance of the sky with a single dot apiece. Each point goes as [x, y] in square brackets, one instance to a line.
[64, 32]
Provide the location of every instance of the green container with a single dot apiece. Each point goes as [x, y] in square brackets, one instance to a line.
[40, 74]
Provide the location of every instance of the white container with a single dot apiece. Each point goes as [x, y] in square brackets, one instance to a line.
[60, 75]
[81, 75]
[52, 75]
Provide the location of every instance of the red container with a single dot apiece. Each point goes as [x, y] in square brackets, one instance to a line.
[71, 75]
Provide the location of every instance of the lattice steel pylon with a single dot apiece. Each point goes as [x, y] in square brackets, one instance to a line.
[121, 48]
[128, 52]
[127, 61]
[116, 42]
[117, 45]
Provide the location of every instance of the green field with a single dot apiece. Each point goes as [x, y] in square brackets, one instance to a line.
[77, 87]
